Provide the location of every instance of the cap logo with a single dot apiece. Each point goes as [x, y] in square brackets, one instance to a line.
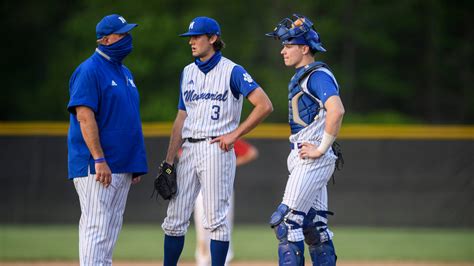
[191, 25]
[122, 19]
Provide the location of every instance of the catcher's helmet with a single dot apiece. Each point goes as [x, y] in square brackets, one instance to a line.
[298, 31]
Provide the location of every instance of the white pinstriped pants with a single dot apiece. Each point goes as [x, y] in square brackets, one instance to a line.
[202, 167]
[203, 253]
[101, 217]
[306, 187]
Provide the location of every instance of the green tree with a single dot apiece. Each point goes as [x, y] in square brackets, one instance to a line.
[396, 61]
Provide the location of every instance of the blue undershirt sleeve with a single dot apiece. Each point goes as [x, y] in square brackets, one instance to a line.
[181, 105]
[241, 82]
[321, 85]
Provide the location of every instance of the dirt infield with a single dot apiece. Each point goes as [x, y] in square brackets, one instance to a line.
[240, 263]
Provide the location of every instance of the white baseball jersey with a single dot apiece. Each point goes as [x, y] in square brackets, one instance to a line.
[211, 107]
[306, 186]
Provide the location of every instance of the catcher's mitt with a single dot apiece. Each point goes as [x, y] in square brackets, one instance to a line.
[165, 183]
[338, 152]
[336, 148]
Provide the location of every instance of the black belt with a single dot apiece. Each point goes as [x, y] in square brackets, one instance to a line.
[193, 140]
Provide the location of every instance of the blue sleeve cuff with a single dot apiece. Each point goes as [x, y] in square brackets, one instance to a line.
[72, 106]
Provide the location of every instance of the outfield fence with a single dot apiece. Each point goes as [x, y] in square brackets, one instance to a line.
[393, 176]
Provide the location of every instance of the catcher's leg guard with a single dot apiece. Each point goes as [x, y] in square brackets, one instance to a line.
[323, 254]
[320, 246]
[289, 253]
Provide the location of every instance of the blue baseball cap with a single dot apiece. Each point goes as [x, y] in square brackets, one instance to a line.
[310, 38]
[113, 24]
[202, 25]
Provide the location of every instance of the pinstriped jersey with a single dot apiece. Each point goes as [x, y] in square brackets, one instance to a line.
[315, 130]
[211, 107]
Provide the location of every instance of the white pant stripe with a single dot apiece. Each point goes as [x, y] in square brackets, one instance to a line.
[203, 236]
[203, 167]
[306, 186]
[101, 217]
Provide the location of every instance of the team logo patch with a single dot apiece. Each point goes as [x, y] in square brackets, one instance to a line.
[247, 77]
[114, 83]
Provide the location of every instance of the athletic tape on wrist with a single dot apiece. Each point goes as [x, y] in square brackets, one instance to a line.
[326, 142]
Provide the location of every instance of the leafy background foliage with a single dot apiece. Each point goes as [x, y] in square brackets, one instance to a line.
[407, 61]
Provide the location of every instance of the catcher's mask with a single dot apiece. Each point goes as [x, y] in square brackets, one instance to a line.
[297, 31]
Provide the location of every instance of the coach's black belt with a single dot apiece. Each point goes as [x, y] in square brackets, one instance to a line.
[193, 140]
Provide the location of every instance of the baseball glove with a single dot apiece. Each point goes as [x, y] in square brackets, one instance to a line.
[336, 148]
[338, 152]
[165, 183]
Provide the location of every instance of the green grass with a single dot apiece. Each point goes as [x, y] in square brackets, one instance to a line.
[145, 242]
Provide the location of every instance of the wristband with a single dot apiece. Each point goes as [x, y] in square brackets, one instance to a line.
[99, 160]
[326, 142]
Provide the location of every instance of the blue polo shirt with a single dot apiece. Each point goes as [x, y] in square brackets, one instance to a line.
[109, 90]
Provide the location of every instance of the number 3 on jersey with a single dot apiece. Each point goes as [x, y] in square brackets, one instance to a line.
[215, 112]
